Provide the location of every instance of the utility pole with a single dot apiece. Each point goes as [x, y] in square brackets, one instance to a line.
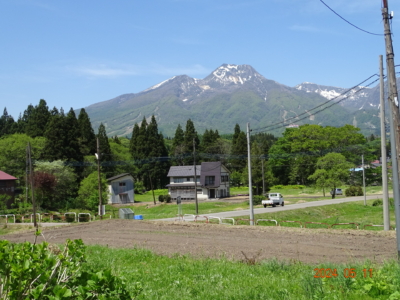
[98, 156]
[250, 182]
[394, 116]
[263, 179]
[365, 192]
[386, 216]
[32, 186]
[195, 178]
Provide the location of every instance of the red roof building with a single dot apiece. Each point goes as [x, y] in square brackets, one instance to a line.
[7, 187]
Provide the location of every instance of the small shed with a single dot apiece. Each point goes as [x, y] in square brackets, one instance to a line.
[7, 187]
[121, 189]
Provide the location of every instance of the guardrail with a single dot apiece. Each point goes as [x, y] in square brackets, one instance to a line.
[204, 217]
[214, 218]
[356, 224]
[267, 220]
[318, 223]
[301, 224]
[372, 225]
[231, 219]
[83, 214]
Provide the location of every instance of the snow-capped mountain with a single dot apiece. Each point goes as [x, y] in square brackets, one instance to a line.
[234, 94]
[356, 98]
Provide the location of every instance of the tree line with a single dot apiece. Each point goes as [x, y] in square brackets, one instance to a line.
[64, 146]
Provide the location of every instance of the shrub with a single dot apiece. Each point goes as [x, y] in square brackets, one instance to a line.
[379, 202]
[49, 272]
[161, 198]
[167, 198]
[354, 191]
[257, 199]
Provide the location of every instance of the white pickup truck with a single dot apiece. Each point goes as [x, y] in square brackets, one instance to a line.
[273, 199]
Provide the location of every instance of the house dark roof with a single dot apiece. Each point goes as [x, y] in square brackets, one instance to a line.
[180, 184]
[181, 171]
[5, 176]
[118, 176]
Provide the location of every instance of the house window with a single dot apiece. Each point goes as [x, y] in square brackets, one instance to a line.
[188, 179]
[178, 179]
[224, 178]
[198, 178]
[122, 184]
[210, 180]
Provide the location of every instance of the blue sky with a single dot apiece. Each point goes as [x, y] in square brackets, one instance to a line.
[74, 53]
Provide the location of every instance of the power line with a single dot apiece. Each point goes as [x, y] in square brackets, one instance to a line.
[260, 129]
[350, 22]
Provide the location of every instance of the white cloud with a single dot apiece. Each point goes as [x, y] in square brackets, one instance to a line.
[118, 70]
[104, 70]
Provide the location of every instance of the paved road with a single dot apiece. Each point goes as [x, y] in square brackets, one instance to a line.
[246, 212]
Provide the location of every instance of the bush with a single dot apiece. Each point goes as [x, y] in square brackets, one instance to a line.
[379, 202]
[257, 199]
[160, 198]
[50, 272]
[167, 198]
[287, 187]
[354, 191]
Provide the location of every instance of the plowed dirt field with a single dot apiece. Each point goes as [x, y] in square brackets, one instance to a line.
[233, 242]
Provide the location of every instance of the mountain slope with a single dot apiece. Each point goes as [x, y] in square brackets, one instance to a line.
[230, 94]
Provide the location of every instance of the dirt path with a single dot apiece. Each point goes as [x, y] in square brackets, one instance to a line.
[306, 245]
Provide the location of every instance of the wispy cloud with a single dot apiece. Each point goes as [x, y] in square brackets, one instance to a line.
[103, 70]
[117, 70]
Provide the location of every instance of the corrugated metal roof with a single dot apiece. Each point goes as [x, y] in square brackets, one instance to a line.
[118, 176]
[180, 171]
[5, 176]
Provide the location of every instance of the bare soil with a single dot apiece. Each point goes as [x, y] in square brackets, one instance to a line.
[233, 242]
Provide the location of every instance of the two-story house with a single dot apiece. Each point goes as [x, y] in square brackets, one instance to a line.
[212, 181]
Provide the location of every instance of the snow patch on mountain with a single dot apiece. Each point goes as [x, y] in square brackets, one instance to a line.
[158, 85]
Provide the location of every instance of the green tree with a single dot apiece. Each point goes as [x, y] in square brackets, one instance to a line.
[239, 152]
[13, 153]
[190, 136]
[87, 138]
[7, 124]
[65, 189]
[332, 171]
[38, 119]
[106, 157]
[178, 147]
[88, 194]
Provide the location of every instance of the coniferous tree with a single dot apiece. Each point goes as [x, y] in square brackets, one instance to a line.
[87, 138]
[157, 165]
[72, 132]
[190, 136]
[37, 121]
[55, 135]
[238, 150]
[133, 144]
[7, 124]
[177, 149]
[106, 158]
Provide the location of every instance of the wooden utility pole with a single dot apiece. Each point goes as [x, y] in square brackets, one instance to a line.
[32, 186]
[386, 217]
[250, 181]
[195, 178]
[99, 176]
[394, 115]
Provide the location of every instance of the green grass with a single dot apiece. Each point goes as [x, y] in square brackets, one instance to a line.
[354, 212]
[185, 277]
[170, 210]
[148, 196]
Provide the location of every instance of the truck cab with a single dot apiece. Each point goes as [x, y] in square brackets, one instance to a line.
[273, 199]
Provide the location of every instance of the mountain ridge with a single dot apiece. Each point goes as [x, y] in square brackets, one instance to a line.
[230, 94]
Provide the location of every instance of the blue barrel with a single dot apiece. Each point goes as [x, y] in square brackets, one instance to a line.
[139, 217]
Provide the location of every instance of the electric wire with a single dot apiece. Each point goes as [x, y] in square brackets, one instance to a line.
[380, 34]
[261, 129]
